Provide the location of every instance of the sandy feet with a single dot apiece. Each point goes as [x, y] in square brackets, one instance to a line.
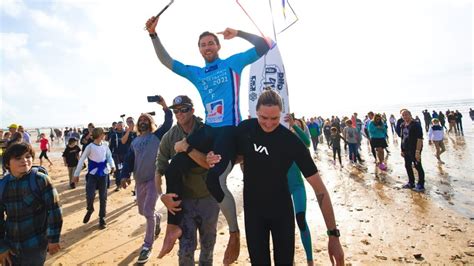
[173, 232]
[233, 248]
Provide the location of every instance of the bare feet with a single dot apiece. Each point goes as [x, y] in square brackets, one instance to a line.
[233, 248]
[173, 232]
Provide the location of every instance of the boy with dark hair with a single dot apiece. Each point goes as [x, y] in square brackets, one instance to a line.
[30, 216]
[71, 158]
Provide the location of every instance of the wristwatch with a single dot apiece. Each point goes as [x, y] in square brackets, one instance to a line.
[334, 232]
[189, 149]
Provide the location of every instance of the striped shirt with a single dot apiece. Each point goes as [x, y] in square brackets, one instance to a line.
[26, 221]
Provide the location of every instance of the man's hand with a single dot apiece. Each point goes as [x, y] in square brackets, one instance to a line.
[228, 33]
[162, 102]
[181, 146]
[336, 255]
[151, 24]
[5, 257]
[418, 156]
[171, 204]
[430, 142]
[125, 182]
[75, 179]
[112, 170]
[212, 159]
[53, 248]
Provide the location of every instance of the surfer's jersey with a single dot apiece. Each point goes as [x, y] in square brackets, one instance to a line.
[218, 84]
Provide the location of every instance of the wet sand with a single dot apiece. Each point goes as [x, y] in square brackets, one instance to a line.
[379, 222]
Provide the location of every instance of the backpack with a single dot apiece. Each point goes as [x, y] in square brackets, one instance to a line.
[33, 183]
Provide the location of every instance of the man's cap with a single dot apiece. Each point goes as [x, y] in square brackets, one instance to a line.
[181, 100]
[15, 126]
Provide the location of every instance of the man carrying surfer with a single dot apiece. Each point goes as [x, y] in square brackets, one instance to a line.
[218, 84]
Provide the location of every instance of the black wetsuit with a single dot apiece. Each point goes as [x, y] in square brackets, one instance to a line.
[267, 199]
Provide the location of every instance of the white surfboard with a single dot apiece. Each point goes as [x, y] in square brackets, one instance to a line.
[268, 71]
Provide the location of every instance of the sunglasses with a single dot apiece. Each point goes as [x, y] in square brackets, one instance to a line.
[182, 110]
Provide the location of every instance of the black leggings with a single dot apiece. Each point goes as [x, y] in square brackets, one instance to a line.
[221, 140]
[336, 150]
[258, 229]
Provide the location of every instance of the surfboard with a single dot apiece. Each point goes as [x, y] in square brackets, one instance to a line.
[268, 72]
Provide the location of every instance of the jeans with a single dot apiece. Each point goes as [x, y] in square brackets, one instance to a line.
[94, 182]
[31, 257]
[409, 160]
[200, 215]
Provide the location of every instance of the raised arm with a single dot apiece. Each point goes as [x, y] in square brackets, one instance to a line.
[160, 50]
[168, 120]
[260, 43]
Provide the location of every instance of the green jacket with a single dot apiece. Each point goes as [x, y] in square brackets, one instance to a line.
[195, 181]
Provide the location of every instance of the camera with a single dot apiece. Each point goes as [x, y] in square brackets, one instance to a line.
[151, 113]
[122, 116]
[154, 99]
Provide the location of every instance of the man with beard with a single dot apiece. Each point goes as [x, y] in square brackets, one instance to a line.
[141, 160]
[218, 84]
[200, 209]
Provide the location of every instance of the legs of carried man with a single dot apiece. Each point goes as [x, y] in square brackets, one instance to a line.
[224, 144]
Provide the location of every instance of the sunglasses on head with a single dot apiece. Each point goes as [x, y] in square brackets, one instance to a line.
[182, 110]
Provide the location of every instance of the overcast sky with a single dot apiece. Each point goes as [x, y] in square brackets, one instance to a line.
[69, 62]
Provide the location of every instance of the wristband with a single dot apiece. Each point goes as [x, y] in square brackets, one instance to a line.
[189, 149]
[153, 35]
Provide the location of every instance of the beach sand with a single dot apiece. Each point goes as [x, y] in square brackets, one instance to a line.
[379, 222]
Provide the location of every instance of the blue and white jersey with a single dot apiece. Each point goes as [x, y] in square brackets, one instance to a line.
[218, 84]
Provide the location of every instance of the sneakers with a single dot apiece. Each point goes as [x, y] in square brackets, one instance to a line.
[419, 188]
[87, 217]
[144, 255]
[157, 225]
[382, 167]
[102, 223]
[408, 186]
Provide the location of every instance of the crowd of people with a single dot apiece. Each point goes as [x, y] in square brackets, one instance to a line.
[195, 157]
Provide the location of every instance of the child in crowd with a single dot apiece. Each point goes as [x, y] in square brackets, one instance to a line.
[99, 160]
[436, 136]
[71, 158]
[335, 143]
[30, 216]
[351, 135]
[45, 148]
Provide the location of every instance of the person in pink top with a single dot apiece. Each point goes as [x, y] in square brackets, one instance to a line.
[44, 147]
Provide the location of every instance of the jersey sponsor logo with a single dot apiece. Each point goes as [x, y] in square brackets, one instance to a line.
[211, 68]
[260, 149]
[215, 111]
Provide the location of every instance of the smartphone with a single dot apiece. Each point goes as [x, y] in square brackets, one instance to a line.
[154, 99]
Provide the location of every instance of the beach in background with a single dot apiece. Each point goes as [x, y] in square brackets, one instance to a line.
[380, 223]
